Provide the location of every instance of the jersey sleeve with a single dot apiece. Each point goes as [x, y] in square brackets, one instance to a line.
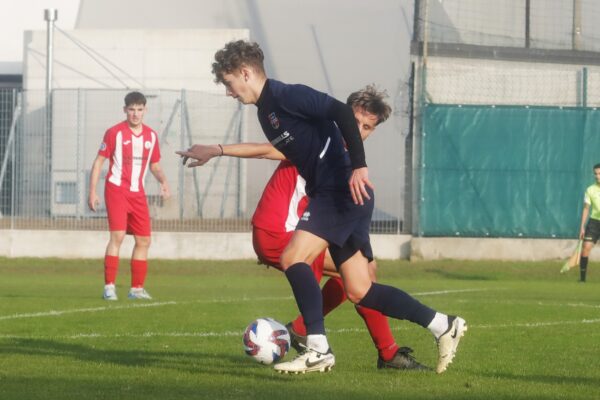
[155, 156]
[587, 199]
[108, 145]
[306, 102]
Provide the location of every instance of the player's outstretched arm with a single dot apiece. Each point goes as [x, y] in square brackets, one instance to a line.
[203, 153]
[160, 176]
[93, 199]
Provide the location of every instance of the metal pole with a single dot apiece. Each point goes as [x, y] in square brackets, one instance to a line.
[181, 146]
[527, 23]
[50, 15]
[422, 104]
[584, 85]
[576, 24]
[425, 33]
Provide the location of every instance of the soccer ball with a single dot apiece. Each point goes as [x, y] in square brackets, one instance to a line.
[266, 340]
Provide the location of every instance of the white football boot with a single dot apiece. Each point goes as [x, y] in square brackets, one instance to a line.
[110, 293]
[448, 342]
[139, 294]
[308, 360]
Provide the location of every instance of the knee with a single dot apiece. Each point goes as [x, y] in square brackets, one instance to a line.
[285, 261]
[355, 296]
[117, 238]
[143, 241]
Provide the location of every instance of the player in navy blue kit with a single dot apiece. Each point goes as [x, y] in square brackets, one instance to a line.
[311, 129]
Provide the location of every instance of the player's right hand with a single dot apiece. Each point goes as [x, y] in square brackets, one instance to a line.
[358, 181]
[93, 202]
[199, 152]
[581, 234]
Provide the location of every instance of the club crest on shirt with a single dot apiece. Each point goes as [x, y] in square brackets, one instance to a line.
[102, 146]
[274, 120]
[147, 145]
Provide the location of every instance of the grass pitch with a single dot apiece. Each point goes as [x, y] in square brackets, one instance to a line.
[533, 334]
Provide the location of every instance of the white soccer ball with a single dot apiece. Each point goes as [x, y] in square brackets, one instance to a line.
[266, 340]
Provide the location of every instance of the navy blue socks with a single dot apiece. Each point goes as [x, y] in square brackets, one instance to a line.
[395, 303]
[308, 297]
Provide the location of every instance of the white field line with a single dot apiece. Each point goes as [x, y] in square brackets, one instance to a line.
[538, 303]
[58, 313]
[447, 292]
[239, 333]
[539, 324]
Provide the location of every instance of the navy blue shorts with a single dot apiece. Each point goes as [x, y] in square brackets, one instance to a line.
[333, 216]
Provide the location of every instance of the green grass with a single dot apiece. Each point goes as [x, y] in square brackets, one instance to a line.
[533, 334]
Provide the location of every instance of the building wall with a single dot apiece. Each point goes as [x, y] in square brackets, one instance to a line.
[336, 46]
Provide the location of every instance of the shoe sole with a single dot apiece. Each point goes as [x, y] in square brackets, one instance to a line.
[325, 368]
[460, 332]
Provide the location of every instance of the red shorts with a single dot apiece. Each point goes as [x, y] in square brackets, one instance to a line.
[269, 246]
[127, 211]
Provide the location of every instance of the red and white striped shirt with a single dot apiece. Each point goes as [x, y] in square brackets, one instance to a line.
[130, 155]
[283, 201]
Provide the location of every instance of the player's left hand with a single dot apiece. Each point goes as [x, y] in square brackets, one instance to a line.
[201, 153]
[358, 181]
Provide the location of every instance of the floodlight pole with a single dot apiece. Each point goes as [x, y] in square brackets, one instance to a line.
[50, 15]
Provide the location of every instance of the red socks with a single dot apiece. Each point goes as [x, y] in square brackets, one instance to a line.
[139, 268]
[111, 265]
[333, 295]
[380, 332]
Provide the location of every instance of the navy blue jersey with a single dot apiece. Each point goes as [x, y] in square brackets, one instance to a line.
[294, 119]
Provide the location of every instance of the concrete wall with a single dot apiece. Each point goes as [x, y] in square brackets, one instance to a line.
[165, 245]
[492, 249]
[231, 246]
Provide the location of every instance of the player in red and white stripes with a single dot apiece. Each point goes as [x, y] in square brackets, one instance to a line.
[132, 149]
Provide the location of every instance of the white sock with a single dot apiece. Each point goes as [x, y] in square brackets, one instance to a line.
[317, 342]
[438, 325]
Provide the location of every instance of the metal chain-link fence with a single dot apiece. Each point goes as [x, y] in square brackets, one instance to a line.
[46, 177]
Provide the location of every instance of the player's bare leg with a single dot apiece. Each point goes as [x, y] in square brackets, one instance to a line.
[114, 243]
